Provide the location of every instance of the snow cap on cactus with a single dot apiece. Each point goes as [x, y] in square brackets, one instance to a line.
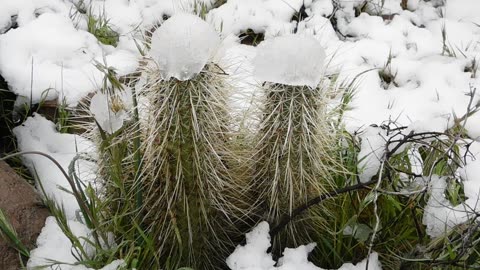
[183, 45]
[292, 60]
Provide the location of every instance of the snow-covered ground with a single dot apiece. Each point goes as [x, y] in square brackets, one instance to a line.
[430, 50]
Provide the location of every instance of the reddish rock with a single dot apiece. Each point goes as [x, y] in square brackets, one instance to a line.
[25, 211]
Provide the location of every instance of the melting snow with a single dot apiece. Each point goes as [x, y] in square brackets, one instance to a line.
[183, 45]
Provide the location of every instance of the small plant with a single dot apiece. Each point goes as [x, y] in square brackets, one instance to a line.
[372, 7]
[446, 47]
[249, 37]
[386, 74]
[7, 233]
[62, 117]
[472, 67]
[200, 9]
[98, 25]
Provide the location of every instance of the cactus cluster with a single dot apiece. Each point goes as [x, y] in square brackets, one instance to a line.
[196, 190]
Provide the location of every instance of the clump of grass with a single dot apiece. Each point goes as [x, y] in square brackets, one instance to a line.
[386, 74]
[250, 37]
[8, 233]
[472, 67]
[447, 48]
[219, 3]
[100, 28]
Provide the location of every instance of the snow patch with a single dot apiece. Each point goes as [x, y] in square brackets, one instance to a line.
[39, 134]
[49, 58]
[253, 255]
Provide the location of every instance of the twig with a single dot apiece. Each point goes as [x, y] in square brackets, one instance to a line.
[299, 210]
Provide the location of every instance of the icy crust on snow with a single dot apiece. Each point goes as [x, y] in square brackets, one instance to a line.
[291, 60]
[39, 134]
[182, 46]
[254, 256]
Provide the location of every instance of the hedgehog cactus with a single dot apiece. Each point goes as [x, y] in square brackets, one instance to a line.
[189, 191]
[191, 186]
[295, 141]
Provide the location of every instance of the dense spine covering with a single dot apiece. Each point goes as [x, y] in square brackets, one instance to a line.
[295, 159]
[189, 190]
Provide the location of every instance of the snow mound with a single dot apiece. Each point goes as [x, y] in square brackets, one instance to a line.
[463, 10]
[49, 58]
[440, 215]
[39, 134]
[183, 45]
[21, 12]
[297, 258]
[153, 11]
[292, 60]
[53, 247]
[254, 256]
[51, 238]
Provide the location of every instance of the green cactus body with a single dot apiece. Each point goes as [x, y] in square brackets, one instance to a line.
[294, 162]
[187, 189]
